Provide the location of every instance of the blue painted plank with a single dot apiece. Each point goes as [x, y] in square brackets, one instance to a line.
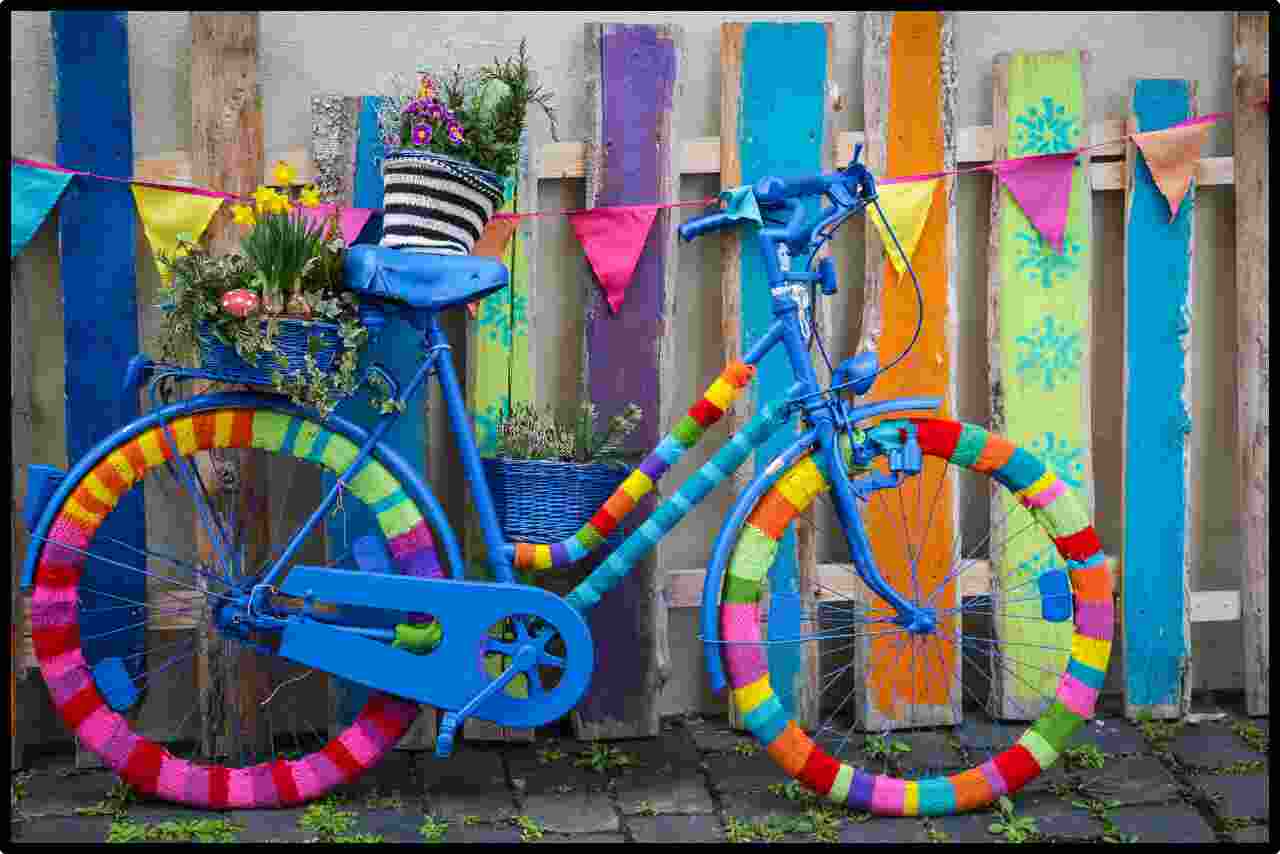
[1157, 299]
[780, 132]
[97, 238]
[397, 348]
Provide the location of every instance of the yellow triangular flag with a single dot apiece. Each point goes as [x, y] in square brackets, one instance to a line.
[906, 206]
[167, 215]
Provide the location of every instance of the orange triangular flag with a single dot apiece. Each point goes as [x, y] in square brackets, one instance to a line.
[613, 239]
[493, 244]
[1172, 155]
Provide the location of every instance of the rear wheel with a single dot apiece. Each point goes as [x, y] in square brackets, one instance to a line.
[255, 730]
[931, 720]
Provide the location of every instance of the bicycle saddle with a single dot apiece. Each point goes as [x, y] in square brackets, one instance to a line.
[422, 280]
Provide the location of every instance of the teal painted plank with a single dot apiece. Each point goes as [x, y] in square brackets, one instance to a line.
[1157, 303]
[780, 132]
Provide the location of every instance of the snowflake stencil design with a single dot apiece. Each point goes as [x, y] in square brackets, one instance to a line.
[1024, 576]
[1038, 259]
[501, 322]
[1046, 130]
[487, 426]
[1061, 458]
[1049, 351]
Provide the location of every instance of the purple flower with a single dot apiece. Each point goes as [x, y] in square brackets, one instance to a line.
[455, 133]
[421, 134]
[436, 111]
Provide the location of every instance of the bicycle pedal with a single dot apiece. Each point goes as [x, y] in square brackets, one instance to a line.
[444, 738]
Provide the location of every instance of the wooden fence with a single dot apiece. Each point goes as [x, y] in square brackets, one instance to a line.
[634, 155]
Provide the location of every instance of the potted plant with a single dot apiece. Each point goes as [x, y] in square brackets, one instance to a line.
[274, 313]
[453, 142]
[550, 476]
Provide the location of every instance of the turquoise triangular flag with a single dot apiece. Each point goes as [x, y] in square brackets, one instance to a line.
[35, 192]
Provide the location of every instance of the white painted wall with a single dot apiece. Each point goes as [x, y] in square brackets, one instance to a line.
[306, 53]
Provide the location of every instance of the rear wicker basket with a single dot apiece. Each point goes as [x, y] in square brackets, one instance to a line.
[547, 501]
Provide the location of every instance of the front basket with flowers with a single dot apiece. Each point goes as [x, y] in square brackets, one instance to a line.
[453, 142]
[275, 312]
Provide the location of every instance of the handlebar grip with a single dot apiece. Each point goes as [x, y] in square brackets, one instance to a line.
[700, 225]
[771, 190]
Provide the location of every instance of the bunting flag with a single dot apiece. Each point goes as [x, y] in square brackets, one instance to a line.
[906, 207]
[1041, 186]
[1172, 155]
[168, 217]
[34, 193]
[613, 239]
[493, 244]
[351, 220]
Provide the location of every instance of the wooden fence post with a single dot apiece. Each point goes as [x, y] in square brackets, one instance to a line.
[633, 87]
[909, 83]
[1156, 486]
[773, 124]
[1039, 335]
[1251, 153]
[21, 442]
[97, 234]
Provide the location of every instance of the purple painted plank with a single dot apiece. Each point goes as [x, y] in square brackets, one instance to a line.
[637, 81]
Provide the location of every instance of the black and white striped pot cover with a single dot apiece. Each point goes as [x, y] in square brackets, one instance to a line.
[434, 203]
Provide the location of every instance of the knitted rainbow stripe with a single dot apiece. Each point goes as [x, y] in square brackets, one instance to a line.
[706, 412]
[142, 763]
[746, 663]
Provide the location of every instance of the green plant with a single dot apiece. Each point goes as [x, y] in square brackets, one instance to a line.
[792, 790]
[603, 757]
[646, 808]
[1251, 735]
[879, 747]
[547, 755]
[374, 838]
[1158, 733]
[746, 748]
[190, 830]
[1101, 810]
[281, 246]
[470, 820]
[826, 824]
[326, 821]
[738, 831]
[1241, 767]
[116, 803]
[1012, 828]
[378, 801]
[936, 834]
[476, 116]
[433, 829]
[530, 830]
[123, 830]
[1084, 756]
[527, 434]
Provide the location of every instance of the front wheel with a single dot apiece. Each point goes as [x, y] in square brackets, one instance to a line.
[930, 720]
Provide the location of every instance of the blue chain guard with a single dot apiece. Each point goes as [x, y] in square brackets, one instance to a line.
[453, 673]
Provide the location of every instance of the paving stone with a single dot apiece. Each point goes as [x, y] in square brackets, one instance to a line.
[1133, 780]
[483, 833]
[64, 829]
[562, 796]
[676, 828]
[1252, 834]
[884, 829]
[1057, 818]
[1241, 796]
[668, 778]
[966, 827]
[1110, 735]
[579, 811]
[931, 754]
[1045, 781]
[391, 825]
[397, 772]
[713, 735]
[735, 772]
[472, 781]
[761, 805]
[582, 837]
[58, 793]
[270, 825]
[1210, 746]
[1179, 823]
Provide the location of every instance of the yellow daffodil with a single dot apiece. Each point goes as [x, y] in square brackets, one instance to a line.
[243, 215]
[310, 197]
[280, 205]
[263, 197]
[283, 173]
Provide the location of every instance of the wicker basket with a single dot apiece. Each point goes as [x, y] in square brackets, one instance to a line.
[546, 501]
[291, 340]
[434, 203]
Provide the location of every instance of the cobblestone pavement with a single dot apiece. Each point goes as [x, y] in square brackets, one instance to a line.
[1202, 780]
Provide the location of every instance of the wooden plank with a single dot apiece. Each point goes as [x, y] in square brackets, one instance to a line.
[629, 355]
[1156, 494]
[909, 96]
[1253, 332]
[499, 375]
[352, 126]
[1039, 339]
[21, 442]
[97, 236]
[226, 130]
[772, 125]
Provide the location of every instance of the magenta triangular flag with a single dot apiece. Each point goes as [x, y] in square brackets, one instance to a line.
[351, 220]
[1041, 186]
[613, 239]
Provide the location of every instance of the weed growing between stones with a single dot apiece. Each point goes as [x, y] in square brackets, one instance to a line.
[1252, 736]
[433, 829]
[1083, 756]
[746, 748]
[331, 824]
[880, 747]
[1013, 828]
[191, 830]
[530, 830]
[116, 803]
[603, 757]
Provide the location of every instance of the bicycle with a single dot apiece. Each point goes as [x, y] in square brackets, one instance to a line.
[416, 635]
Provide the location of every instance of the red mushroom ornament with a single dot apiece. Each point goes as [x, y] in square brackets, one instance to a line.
[240, 302]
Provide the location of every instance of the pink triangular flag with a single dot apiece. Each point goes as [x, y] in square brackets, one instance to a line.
[613, 239]
[351, 220]
[1172, 155]
[1041, 185]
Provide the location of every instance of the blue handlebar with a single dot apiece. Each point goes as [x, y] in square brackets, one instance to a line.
[700, 225]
